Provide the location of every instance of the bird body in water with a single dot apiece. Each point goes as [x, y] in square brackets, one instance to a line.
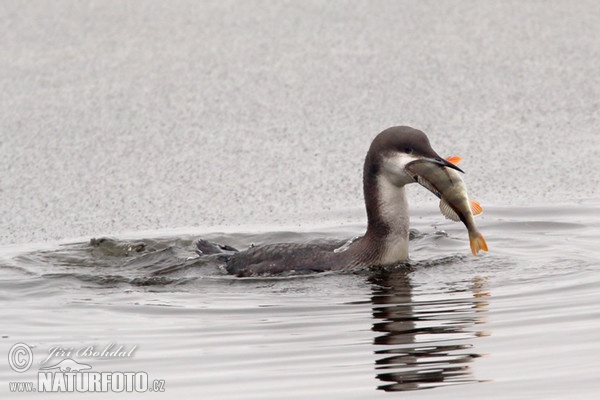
[385, 242]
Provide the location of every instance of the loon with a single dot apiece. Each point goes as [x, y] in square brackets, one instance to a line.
[386, 239]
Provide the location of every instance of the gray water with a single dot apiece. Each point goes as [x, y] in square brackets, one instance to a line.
[519, 322]
[152, 124]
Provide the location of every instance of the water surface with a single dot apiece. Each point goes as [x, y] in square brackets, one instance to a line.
[519, 322]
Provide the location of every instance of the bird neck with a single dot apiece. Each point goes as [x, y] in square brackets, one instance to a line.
[386, 239]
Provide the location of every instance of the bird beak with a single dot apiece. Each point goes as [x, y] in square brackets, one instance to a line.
[444, 163]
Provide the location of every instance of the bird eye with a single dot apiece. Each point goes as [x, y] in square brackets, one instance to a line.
[408, 150]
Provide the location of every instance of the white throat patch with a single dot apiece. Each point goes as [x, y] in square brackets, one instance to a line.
[394, 211]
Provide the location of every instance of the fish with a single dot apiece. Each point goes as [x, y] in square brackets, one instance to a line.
[448, 186]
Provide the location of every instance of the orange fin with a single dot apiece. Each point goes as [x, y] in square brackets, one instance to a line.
[476, 208]
[454, 159]
[477, 243]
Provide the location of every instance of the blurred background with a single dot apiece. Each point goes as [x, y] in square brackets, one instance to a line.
[148, 115]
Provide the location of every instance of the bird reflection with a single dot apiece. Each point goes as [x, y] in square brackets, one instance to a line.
[425, 339]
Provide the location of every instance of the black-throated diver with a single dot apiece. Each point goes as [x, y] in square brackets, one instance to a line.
[386, 239]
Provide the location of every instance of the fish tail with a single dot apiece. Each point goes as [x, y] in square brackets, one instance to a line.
[477, 243]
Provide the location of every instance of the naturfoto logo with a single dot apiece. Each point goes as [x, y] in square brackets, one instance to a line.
[59, 371]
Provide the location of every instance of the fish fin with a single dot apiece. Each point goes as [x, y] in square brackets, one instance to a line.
[447, 211]
[477, 243]
[476, 208]
[454, 159]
